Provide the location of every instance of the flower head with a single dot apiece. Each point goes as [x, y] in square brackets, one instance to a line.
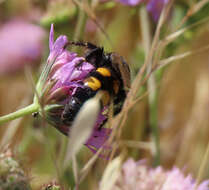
[21, 43]
[136, 175]
[66, 72]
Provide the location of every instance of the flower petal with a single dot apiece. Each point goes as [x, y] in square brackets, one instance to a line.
[98, 138]
[51, 37]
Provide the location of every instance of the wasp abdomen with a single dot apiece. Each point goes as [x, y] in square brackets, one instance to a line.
[93, 83]
[72, 108]
[104, 76]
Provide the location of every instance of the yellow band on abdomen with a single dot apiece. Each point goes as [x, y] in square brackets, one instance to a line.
[93, 83]
[104, 71]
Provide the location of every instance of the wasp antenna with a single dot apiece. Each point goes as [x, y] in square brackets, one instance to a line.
[80, 43]
[83, 44]
[66, 45]
[91, 46]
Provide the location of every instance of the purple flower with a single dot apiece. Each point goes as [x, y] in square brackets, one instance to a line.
[20, 43]
[145, 178]
[154, 7]
[131, 2]
[65, 77]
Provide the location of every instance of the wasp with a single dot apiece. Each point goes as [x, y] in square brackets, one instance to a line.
[111, 76]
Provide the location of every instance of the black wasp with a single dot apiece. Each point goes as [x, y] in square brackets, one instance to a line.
[111, 76]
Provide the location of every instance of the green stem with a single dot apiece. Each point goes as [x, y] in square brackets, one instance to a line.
[155, 131]
[80, 26]
[203, 166]
[151, 84]
[19, 113]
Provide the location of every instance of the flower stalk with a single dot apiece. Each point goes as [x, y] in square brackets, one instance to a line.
[19, 113]
[151, 85]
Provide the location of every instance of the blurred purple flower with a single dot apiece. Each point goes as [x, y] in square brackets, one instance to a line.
[131, 2]
[154, 7]
[20, 43]
[64, 79]
[136, 175]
